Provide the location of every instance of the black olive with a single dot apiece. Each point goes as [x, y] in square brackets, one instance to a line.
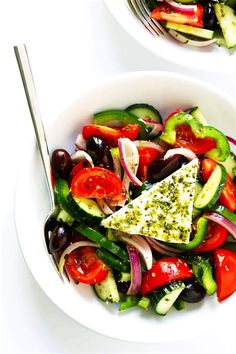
[61, 163]
[60, 238]
[193, 291]
[99, 152]
[161, 168]
[123, 286]
[209, 17]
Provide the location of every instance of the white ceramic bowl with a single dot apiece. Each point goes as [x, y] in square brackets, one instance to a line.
[211, 58]
[166, 91]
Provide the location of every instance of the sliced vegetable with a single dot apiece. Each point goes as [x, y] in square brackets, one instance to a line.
[211, 191]
[81, 156]
[188, 9]
[145, 111]
[197, 114]
[202, 270]
[111, 261]
[219, 209]
[190, 30]
[185, 131]
[163, 271]
[111, 135]
[163, 298]
[129, 302]
[195, 43]
[98, 183]
[160, 248]
[104, 207]
[80, 142]
[225, 261]
[129, 158]
[164, 12]
[96, 236]
[180, 151]
[144, 302]
[136, 272]
[117, 118]
[221, 220]
[155, 128]
[106, 290]
[215, 237]
[228, 195]
[230, 166]
[84, 266]
[227, 20]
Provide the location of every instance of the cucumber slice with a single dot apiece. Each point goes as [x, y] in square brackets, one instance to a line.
[163, 299]
[89, 209]
[212, 189]
[195, 31]
[197, 114]
[123, 277]
[107, 289]
[179, 304]
[227, 20]
[145, 111]
[230, 165]
[63, 216]
[198, 188]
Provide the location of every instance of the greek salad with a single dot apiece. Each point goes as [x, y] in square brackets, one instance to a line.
[147, 209]
[198, 23]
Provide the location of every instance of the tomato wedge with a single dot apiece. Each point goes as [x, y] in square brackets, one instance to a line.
[186, 138]
[164, 12]
[228, 195]
[225, 263]
[98, 182]
[165, 271]
[146, 157]
[77, 168]
[111, 135]
[84, 266]
[216, 236]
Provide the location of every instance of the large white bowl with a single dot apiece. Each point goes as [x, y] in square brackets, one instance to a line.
[166, 91]
[211, 58]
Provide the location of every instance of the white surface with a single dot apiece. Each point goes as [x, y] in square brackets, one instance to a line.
[170, 49]
[72, 45]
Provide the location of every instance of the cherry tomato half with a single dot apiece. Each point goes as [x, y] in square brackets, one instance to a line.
[216, 236]
[84, 266]
[97, 182]
[185, 138]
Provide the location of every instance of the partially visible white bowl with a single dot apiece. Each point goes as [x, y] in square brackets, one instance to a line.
[166, 91]
[212, 58]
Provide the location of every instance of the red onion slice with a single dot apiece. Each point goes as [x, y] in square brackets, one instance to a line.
[70, 249]
[117, 166]
[148, 144]
[188, 9]
[141, 246]
[104, 207]
[221, 220]
[185, 40]
[81, 155]
[158, 247]
[136, 271]
[157, 128]
[231, 140]
[80, 142]
[129, 157]
[180, 151]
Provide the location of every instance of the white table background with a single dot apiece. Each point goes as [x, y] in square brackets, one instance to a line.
[73, 44]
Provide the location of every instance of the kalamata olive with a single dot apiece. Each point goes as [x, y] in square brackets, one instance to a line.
[161, 168]
[99, 152]
[209, 17]
[123, 286]
[60, 238]
[193, 291]
[61, 163]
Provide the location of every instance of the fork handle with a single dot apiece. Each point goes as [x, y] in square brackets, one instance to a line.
[31, 96]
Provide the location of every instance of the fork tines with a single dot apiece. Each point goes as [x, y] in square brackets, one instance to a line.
[141, 11]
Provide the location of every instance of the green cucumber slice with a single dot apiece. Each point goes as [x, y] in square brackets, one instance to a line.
[107, 290]
[145, 111]
[212, 189]
[163, 299]
[227, 20]
[197, 114]
[230, 165]
[195, 31]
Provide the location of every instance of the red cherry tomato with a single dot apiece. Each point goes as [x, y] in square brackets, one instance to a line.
[84, 266]
[111, 135]
[165, 271]
[185, 138]
[146, 157]
[216, 236]
[228, 195]
[97, 182]
[165, 13]
[225, 272]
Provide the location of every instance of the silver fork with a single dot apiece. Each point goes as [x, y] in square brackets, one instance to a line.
[142, 13]
[31, 96]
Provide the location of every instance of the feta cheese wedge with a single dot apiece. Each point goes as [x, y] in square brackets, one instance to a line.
[163, 212]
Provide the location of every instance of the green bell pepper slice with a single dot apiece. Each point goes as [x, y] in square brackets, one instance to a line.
[119, 117]
[202, 226]
[219, 153]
